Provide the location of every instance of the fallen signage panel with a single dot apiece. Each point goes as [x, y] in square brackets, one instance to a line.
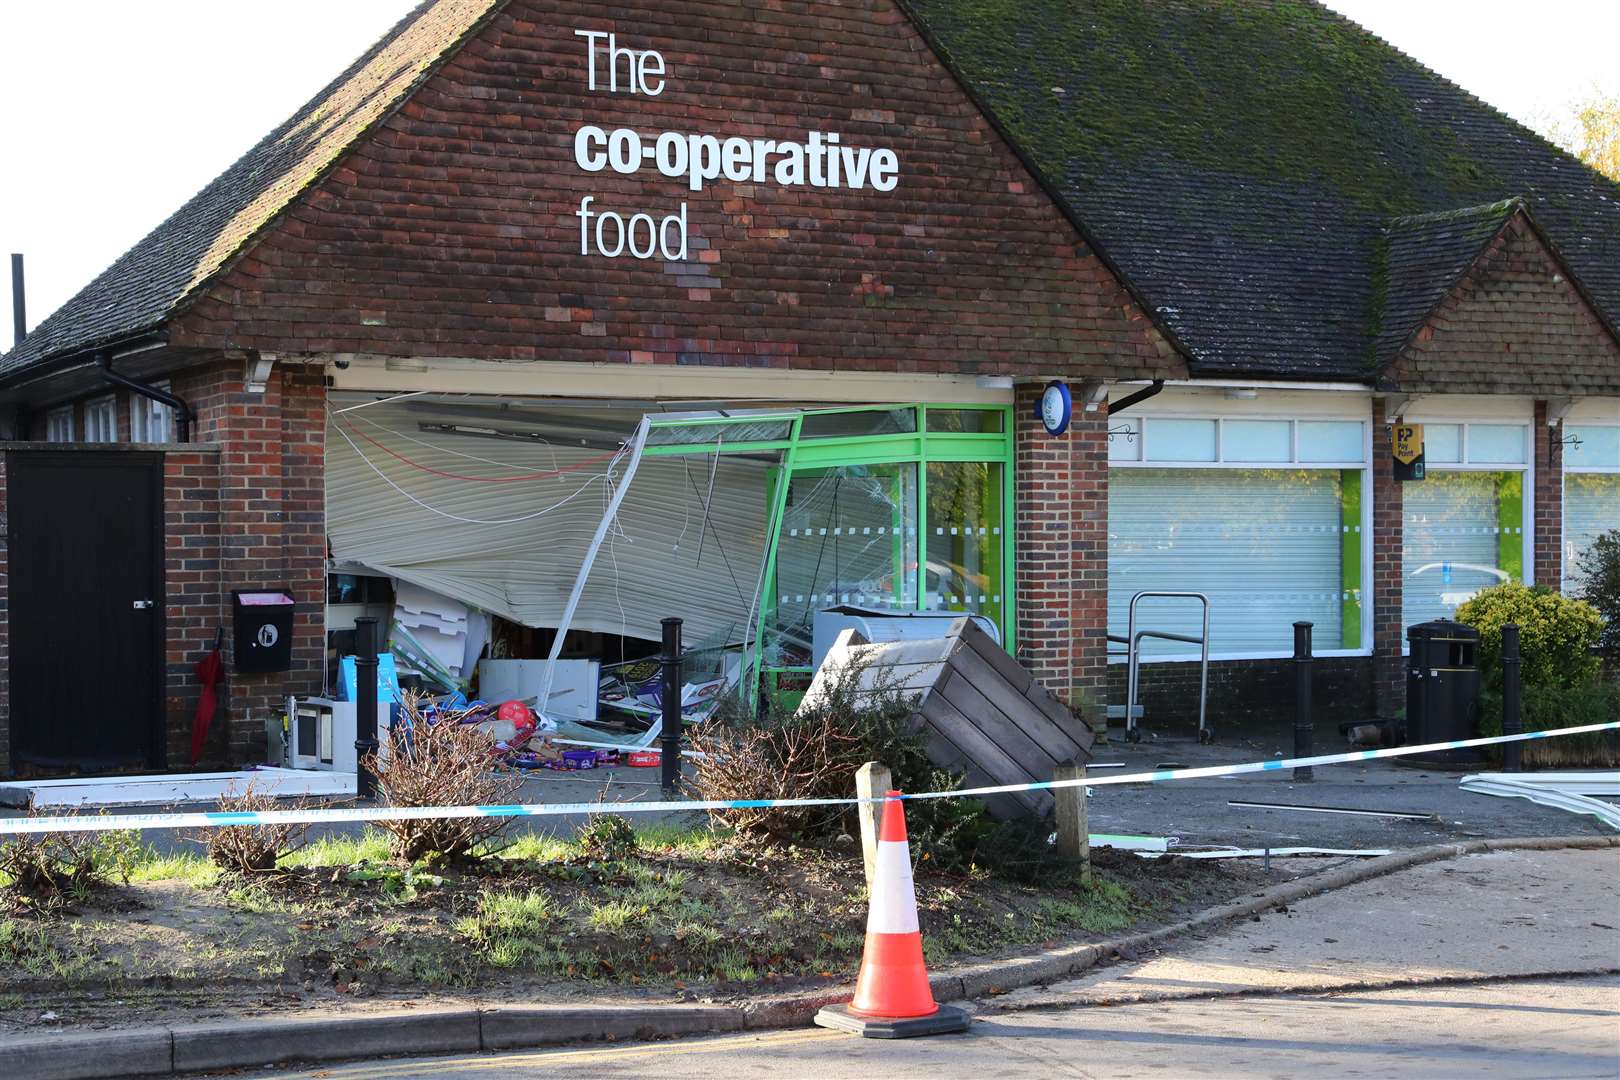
[984, 715]
[174, 789]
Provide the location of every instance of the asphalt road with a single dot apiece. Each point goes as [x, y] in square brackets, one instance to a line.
[1532, 1029]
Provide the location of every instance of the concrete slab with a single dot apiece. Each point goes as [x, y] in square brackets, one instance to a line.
[73, 1056]
[232, 1046]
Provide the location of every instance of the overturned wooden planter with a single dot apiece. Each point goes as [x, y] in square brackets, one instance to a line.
[985, 716]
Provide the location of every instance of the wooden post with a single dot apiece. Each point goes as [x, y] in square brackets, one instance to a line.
[1073, 839]
[872, 781]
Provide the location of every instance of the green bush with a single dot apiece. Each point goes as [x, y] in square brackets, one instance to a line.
[1599, 571]
[1556, 634]
[1545, 708]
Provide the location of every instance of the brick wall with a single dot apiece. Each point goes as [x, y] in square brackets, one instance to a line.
[1389, 669]
[1513, 325]
[193, 608]
[1247, 694]
[1549, 499]
[244, 506]
[452, 230]
[1062, 538]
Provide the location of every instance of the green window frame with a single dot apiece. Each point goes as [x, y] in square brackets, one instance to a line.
[940, 435]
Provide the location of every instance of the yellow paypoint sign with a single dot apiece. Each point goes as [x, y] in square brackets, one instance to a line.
[1408, 448]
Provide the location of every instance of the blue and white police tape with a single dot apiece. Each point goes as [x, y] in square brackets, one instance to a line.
[316, 815]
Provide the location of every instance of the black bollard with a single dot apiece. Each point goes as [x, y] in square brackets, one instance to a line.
[670, 755]
[1303, 730]
[1512, 716]
[365, 704]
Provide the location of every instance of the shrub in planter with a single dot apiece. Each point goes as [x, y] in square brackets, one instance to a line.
[815, 752]
[443, 762]
[1556, 634]
[252, 849]
[1599, 574]
[1545, 708]
[51, 868]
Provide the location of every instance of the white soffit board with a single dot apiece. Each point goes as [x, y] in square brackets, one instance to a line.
[1274, 403]
[1440, 408]
[1595, 410]
[661, 382]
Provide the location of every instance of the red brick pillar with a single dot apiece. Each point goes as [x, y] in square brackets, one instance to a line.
[1061, 491]
[1088, 563]
[1548, 519]
[271, 526]
[1389, 635]
[1042, 494]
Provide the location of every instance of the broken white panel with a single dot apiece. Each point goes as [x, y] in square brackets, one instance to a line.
[574, 685]
[1516, 788]
[1585, 782]
[436, 621]
[177, 789]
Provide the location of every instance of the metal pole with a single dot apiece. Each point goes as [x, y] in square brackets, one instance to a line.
[1512, 716]
[1303, 730]
[670, 757]
[19, 313]
[365, 704]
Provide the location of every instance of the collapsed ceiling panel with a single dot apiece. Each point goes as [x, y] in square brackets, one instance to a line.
[495, 504]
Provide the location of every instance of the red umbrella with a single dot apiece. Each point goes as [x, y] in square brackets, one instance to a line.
[211, 673]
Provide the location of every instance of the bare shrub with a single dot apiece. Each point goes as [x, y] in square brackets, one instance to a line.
[52, 867]
[253, 849]
[443, 762]
[811, 753]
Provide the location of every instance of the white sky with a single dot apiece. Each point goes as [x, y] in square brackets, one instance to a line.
[117, 111]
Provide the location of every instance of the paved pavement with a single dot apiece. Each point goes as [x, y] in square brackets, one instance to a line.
[1438, 971]
[1535, 1030]
[1502, 914]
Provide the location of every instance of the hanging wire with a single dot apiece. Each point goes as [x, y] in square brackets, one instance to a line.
[455, 453]
[605, 476]
[479, 479]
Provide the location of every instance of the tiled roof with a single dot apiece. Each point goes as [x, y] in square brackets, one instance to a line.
[1240, 162]
[167, 268]
[1422, 256]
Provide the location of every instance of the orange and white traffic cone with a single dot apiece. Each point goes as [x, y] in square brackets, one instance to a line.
[892, 996]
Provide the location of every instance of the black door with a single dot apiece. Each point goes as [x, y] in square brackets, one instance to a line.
[86, 576]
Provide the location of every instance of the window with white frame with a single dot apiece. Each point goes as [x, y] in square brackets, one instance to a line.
[101, 419]
[150, 421]
[1591, 491]
[1464, 526]
[1264, 516]
[59, 426]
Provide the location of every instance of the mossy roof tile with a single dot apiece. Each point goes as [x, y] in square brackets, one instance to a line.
[1240, 161]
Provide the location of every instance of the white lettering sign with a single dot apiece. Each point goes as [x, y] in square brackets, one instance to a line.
[821, 160]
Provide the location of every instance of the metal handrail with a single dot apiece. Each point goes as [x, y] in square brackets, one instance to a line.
[1133, 643]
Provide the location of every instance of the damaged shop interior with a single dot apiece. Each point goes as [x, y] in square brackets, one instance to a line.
[528, 549]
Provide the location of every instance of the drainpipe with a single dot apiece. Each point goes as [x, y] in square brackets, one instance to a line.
[1141, 395]
[182, 412]
[19, 306]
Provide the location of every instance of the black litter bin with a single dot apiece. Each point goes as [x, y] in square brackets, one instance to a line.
[263, 622]
[1442, 689]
